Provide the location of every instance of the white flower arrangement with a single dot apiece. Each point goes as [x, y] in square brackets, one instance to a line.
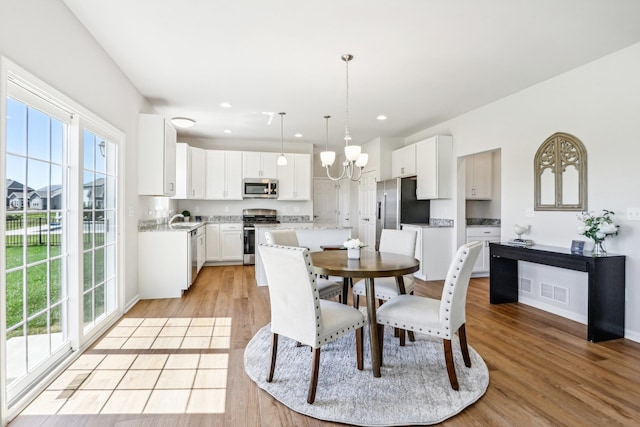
[599, 227]
[353, 244]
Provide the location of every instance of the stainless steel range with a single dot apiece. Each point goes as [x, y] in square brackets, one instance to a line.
[251, 217]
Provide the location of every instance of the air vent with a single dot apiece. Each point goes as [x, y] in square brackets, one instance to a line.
[525, 285]
[556, 293]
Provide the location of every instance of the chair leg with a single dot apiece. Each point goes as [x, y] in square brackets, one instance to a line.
[401, 335]
[356, 301]
[359, 340]
[462, 334]
[380, 340]
[274, 353]
[412, 337]
[313, 383]
[451, 369]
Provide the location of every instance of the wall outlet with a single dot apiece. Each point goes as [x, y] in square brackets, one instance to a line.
[633, 214]
[197, 209]
[529, 213]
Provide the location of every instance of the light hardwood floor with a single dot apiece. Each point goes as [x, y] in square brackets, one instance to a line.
[542, 369]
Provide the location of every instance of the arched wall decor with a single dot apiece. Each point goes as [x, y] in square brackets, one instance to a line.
[560, 168]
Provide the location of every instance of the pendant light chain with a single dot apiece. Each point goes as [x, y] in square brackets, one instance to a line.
[347, 136]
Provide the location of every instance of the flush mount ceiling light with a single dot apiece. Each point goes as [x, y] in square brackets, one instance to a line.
[227, 131]
[356, 160]
[183, 122]
[298, 135]
[282, 160]
[225, 105]
[381, 117]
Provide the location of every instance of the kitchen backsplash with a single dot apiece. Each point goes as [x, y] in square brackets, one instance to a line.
[440, 222]
[484, 221]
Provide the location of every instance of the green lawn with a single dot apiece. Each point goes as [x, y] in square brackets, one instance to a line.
[36, 289]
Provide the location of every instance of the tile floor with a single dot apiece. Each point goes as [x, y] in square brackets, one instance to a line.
[144, 366]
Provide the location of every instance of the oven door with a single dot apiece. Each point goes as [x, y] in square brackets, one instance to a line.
[249, 257]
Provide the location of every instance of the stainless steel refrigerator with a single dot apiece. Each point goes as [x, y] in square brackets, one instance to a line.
[396, 204]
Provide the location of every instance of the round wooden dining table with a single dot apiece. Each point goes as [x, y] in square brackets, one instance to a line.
[369, 266]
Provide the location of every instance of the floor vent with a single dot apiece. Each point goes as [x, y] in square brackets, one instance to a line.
[556, 293]
[525, 285]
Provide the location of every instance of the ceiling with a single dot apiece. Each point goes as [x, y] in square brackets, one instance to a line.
[419, 62]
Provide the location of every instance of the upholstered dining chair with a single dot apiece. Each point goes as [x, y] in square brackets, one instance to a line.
[298, 312]
[439, 318]
[326, 287]
[395, 241]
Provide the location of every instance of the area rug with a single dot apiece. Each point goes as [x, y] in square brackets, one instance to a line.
[414, 387]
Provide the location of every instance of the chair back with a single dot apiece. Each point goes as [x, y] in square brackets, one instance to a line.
[401, 242]
[454, 292]
[295, 307]
[282, 237]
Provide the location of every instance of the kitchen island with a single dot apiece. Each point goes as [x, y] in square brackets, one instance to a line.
[309, 235]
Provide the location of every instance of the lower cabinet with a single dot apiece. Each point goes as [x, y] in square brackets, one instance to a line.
[485, 235]
[224, 242]
[433, 250]
[164, 263]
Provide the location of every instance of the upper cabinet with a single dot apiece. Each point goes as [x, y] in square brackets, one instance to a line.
[294, 179]
[478, 176]
[403, 161]
[434, 168]
[223, 175]
[190, 172]
[198, 173]
[259, 165]
[156, 156]
[379, 151]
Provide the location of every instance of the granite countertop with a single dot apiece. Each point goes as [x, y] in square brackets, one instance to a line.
[427, 225]
[303, 226]
[485, 225]
[178, 226]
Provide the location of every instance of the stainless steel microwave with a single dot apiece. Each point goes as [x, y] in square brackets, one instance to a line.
[260, 189]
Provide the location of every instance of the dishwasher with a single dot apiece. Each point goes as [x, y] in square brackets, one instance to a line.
[193, 255]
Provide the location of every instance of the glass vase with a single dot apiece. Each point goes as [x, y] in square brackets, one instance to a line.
[598, 248]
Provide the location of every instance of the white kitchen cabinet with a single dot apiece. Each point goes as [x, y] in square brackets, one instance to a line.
[434, 168]
[190, 172]
[164, 263]
[479, 176]
[403, 161]
[224, 242]
[156, 156]
[294, 179]
[433, 250]
[259, 165]
[485, 235]
[223, 175]
[198, 173]
[183, 171]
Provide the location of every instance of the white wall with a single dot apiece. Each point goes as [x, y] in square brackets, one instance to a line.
[598, 103]
[43, 37]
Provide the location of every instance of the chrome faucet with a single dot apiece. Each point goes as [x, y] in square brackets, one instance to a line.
[174, 217]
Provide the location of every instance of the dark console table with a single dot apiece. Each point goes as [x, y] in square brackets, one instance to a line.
[605, 314]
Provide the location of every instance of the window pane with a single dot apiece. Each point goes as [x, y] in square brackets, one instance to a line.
[110, 295]
[89, 144]
[14, 240]
[37, 184]
[87, 304]
[15, 307]
[99, 301]
[36, 288]
[87, 268]
[56, 327]
[110, 193]
[37, 236]
[56, 291]
[58, 130]
[87, 190]
[100, 150]
[110, 227]
[87, 229]
[38, 135]
[99, 266]
[16, 127]
[16, 179]
[38, 346]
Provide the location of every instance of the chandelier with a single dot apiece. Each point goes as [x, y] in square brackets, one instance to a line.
[282, 160]
[356, 160]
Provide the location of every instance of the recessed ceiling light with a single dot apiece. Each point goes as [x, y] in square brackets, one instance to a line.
[183, 122]
[225, 105]
[298, 135]
[381, 117]
[227, 131]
